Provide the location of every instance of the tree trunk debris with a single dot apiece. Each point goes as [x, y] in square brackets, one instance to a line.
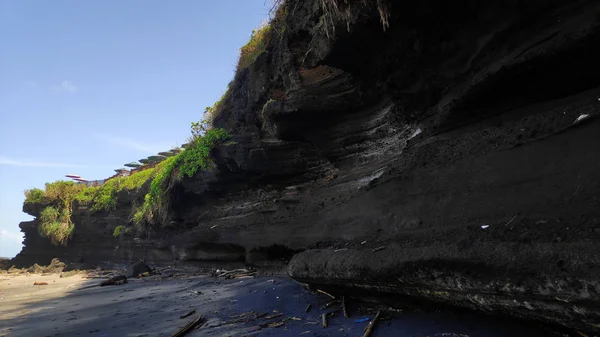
[371, 326]
[191, 325]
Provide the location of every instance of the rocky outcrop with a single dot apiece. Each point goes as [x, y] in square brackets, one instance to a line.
[92, 241]
[450, 157]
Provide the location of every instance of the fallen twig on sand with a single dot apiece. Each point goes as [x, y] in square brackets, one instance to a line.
[236, 273]
[307, 308]
[274, 316]
[325, 293]
[344, 307]
[511, 220]
[40, 283]
[324, 320]
[276, 324]
[378, 249]
[328, 304]
[371, 326]
[188, 314]
[189, 326]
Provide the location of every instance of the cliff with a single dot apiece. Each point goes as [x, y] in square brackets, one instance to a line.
[92, 241]
[450, 156]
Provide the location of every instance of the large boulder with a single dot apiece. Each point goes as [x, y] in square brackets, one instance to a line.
[137, 268]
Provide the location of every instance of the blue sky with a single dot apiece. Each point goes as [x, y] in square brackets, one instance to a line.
[87, 86]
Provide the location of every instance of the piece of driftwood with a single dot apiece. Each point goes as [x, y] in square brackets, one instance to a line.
[307, 308]
[274, 316]
[344, 307]
[40, 283]
[328, 304]
[191, 325]
[324, 320]
[117, 280]
[371, 326]
[378, 249]
[276, 324]
[325, 293]
[224, 273]
[188, 314]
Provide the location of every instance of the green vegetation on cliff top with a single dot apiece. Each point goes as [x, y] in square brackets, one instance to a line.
[58, 197]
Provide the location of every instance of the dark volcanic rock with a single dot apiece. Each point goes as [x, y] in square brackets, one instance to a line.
[463, 139]
[138, 268]
[92, 241]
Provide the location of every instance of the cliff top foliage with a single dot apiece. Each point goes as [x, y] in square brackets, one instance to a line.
[58, 197]
[55, 218]
[195, 157]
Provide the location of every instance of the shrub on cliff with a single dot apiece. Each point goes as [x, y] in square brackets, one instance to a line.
[254, 47]
[118, 231]
[34, 196]
[195, 157]
[86, 195]
[106, 196]
[56, 225]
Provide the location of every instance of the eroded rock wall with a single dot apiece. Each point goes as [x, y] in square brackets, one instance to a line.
[451, 157]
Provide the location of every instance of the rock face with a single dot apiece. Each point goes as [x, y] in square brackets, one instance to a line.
[92, 242]
[138, 268]
[462, 139]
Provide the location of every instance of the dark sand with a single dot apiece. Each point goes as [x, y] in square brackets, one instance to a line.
[151, 307]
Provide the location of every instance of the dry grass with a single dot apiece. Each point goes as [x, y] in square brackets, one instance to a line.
[257, 44]
[336, 10]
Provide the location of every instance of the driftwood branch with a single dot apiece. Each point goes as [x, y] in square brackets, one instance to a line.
[188, 314]
[191, 325]
[325, 293]
[371, 326]
[344, 307]
[324, 320]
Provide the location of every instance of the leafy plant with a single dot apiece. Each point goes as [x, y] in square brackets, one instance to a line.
[34, 196]
[135, 181]
[55, 220]
[56, 225]
[105, 198]
[194, 157]
[197, 155]
[118, 231]
[254, 47]
[86, 195]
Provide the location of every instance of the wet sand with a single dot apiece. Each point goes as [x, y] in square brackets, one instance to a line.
[152, 307]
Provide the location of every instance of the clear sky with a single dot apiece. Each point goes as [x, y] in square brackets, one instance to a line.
[86, 86]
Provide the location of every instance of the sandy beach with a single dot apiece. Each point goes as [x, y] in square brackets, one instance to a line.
[247, 307]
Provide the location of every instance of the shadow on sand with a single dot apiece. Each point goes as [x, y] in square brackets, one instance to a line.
[152, 308]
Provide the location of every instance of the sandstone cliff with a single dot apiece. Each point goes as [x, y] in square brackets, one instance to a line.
[462, 138]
